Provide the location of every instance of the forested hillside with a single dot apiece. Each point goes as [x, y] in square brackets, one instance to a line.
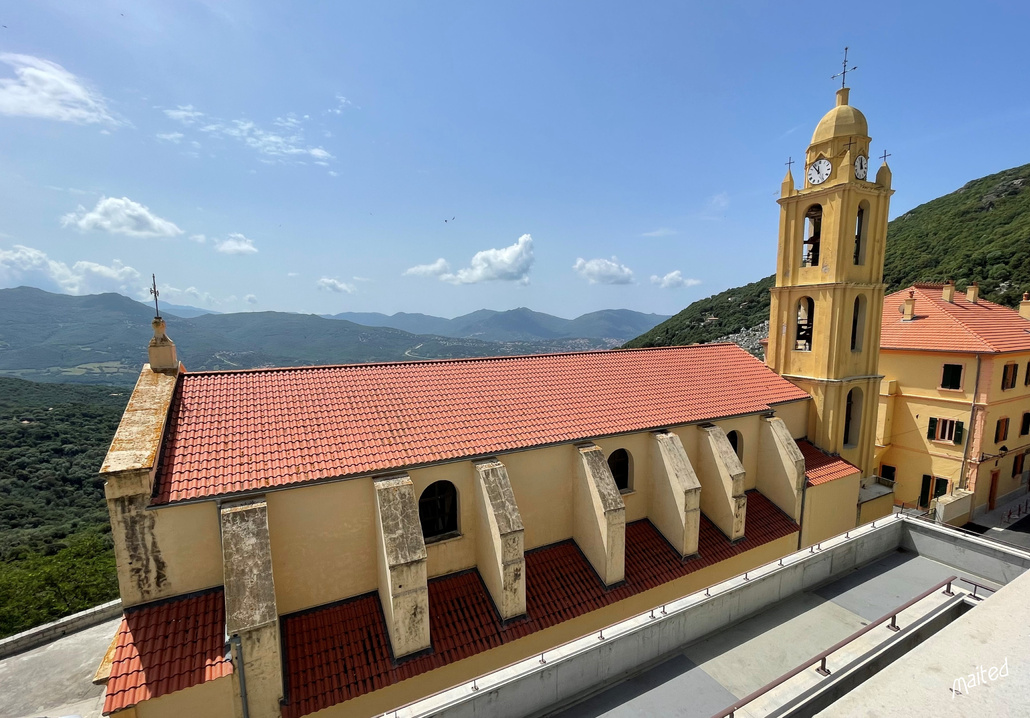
[980, 232]
[55, 550]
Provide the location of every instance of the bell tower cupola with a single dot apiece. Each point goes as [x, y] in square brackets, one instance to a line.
[824, 329]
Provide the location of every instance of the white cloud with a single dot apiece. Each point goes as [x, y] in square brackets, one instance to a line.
[333, 174]
[198, 238]
[185, 114]
[44, 89]
[603, 271]
[175, 137]
[293, 274]
[335, 285]
[507, 264]
[660, 232]
[717, 204]
[25, 265]
[342, 103]
[120, 216]
[674, 280]
[267, 143]
[436, 269]
[250, 299]
[362, 279]
[236, 244]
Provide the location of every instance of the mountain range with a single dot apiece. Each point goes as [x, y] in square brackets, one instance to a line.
[103, 337]
[980, 232]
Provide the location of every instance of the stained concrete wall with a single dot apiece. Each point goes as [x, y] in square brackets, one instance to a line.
[977, 556]
[500, 554]
[722, 482]
[675, 507]
[781, 475]
[401, 554]
[599, 516]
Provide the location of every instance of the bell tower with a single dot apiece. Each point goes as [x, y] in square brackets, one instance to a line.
[824, 319]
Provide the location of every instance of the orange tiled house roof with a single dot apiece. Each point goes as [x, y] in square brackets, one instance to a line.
[958, 326]
[821, 467]
[240, 431]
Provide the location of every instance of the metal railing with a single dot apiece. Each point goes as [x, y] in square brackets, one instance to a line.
[821, 657]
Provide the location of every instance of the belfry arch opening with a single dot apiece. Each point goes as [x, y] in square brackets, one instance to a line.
[438, 511]
[620, 463]
[805, 317]
[852, 418]
[858, 323]
[861, 220]
[813, 236]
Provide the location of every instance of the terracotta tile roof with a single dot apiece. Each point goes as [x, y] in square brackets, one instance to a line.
[959, 326]
[342, 651]
[167, 646]
[248, 430]
[821, 467]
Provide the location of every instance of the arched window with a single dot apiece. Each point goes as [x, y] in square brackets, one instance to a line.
[622, 470]
[803, 333]
[858, 324]
[737, 442]
[860, 232]
[813, 233]
[853, 418]
[438, 511]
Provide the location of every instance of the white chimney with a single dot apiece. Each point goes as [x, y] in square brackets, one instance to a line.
[973, 292]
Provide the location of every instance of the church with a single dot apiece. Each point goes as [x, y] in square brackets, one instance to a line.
[342, 540]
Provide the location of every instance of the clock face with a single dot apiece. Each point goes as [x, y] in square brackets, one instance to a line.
[819, 171]
[861, 167]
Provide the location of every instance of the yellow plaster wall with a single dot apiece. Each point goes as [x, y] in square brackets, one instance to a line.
[190, 542]
[390, 697]
[830, 509]
[323, 543]
[212, 699]
[795, 416]
[639, 448]
[875, 509]
[542, 481]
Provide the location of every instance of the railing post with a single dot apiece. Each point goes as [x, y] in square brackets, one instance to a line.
[822, 670]
[894, 623]
[948, 591]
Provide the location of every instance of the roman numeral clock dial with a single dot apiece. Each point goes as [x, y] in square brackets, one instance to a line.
[819, 171]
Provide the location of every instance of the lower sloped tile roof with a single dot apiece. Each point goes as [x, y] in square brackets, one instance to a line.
[167, 646]
[230, 432]
[339, 652]
[821, 467]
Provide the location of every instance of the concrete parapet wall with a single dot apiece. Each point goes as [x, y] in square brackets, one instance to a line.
[979, 557]
[48, 632]
[545, 682]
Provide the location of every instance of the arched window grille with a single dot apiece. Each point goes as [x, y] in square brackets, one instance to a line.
[438, 511]
[619, 464]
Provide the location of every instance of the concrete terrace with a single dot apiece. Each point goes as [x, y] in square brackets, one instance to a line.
[731, 664]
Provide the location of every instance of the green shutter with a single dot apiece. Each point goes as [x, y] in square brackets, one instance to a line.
[931, 432]
[958, 432]
[924, 493]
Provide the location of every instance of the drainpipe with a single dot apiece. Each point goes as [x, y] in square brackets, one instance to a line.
[969, 433]
[235, 641]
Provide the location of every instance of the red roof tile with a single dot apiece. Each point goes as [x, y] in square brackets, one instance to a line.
[239, 431]
[821, 467]
[959, 326]
[342, 651]
[167, 646]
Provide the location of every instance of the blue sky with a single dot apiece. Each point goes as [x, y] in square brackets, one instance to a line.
[586, 155]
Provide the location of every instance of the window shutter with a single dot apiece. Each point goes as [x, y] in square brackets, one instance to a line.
[997, 432]
[931, 431]
[958, 432]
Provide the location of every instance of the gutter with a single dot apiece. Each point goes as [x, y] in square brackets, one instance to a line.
[234, 640]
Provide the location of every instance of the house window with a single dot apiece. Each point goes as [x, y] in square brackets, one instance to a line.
[937, 485]
[619, 464]
[1026, 375]
[810, 247]
[1024, 427]
[803, 333]
[1017, 464]
[438, 511]
[1008, 377]
[888, 472]
[951, 377]
[1001, 430]
[737, 442]
[946, 430]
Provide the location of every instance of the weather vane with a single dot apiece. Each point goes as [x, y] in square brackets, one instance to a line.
[153, 290]
[843, 74]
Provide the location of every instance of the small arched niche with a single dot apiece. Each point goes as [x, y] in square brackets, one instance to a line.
[805, 319]
[438, 511]
[853, 418]
[620, 463]
[737, 442]
[813, 236]
[858, 323]
[861, 222]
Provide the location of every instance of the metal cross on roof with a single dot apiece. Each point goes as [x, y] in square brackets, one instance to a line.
[153, 290]
[789, 163]
[843, 74]
[884, 156]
